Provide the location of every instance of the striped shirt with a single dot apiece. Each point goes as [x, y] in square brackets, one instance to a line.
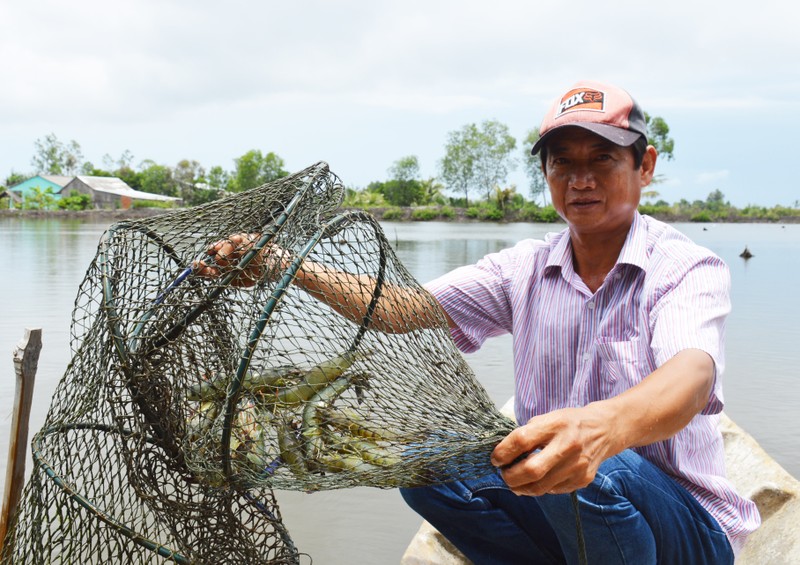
[572, 347]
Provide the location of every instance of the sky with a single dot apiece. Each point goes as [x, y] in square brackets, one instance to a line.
[361, 84]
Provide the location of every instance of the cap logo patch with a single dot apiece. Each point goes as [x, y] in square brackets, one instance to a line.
[581, 99]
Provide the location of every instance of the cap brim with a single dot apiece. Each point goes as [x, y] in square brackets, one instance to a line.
[617, 136]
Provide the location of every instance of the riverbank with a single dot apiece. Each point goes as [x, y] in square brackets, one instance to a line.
[450, 214]
[394, 214]
[88, 215]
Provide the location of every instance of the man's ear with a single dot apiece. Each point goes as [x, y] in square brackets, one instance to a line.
[648, 168]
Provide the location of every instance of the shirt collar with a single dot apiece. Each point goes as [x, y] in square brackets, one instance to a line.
[634, 250]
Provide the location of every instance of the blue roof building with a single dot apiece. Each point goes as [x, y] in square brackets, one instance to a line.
[106, 192]
[54, 182]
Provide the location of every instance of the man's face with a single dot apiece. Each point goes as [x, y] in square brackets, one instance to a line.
[593, 182]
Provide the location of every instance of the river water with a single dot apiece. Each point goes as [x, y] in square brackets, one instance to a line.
[46, 259]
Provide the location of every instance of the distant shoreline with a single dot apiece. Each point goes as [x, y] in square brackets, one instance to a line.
[459, 216]
[133, 214]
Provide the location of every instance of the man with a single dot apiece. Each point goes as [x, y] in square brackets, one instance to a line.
[618, 325]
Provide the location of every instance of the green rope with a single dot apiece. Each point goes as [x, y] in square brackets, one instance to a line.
[579, 529]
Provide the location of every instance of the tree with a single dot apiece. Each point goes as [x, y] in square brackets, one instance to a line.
[432, 191]
[478, 158]
[504, 196]
[650, 194]
[218, 178]
[456, 167]
[54, 158]
[403, 192]
[124, 161]
[39, 199]
[494, 159]
[533, 167]
[405, 169]
[716, 201]
[75, 201]
[47, 159]
[157, 179]
[366, 198]
[403, 188]
[129, 177]
[73, 157]
[658, 136]
[120, 168]
[254, 169]
[189, 176]
[14, 178]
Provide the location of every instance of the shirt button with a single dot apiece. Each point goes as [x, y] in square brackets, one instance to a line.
[590, 305]
[586, 356]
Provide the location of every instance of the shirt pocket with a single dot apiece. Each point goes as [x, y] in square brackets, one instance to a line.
[622, 365]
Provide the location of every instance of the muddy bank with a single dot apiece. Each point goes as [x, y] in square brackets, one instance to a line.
[394, 214]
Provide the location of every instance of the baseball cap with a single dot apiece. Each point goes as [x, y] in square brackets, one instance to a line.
[604, 109]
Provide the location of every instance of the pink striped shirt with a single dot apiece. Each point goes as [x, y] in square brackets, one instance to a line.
[572, 347]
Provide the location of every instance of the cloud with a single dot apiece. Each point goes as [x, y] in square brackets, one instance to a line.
[210, 80]
[149, 58]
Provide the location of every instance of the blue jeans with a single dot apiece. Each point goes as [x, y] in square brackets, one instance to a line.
[632, 513]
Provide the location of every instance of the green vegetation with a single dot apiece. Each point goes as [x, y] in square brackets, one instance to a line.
[534, 213]
[393, 213]
[471, 182]
[478, 159]
[188, 179]
[75, 201]
[363, 199]
[533, 167]
[153, 204]
[716, 209]
[428, 213]
[39, 199]
[486, 211]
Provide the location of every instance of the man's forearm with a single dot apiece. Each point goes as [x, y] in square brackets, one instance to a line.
[663, 403]
[398, 310]
[573, 442]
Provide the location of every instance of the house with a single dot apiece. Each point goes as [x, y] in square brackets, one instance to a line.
[26, 188]
[13, 198]
[111, 192]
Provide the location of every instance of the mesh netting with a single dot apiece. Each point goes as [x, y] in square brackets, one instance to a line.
[189, 398]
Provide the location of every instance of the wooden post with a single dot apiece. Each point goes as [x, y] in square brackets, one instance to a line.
[26, 360]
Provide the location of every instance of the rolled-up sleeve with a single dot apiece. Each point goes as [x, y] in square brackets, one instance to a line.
[692, 315]
[476, 299]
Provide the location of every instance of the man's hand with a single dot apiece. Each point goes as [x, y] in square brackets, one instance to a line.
[565, 447]
[555, 453]
[227, 253]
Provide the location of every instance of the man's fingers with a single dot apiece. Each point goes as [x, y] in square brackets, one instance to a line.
[226, 254]
[555, 469]
[517, 444]
[537, 468]
[204, 270]
[564, 487]
[532, 476]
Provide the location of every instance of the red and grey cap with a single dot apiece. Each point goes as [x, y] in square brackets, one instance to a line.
[606, 110]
